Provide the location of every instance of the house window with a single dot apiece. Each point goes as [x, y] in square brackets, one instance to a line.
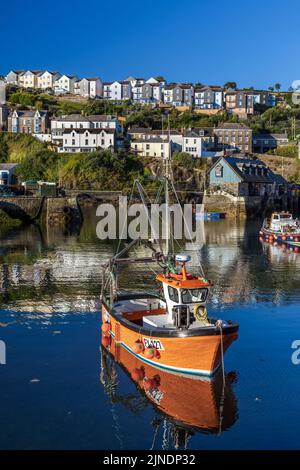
[86, 141]
[73, 141]
[219, 171]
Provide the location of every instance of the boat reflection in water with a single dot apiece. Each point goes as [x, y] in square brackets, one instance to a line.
[190, 404]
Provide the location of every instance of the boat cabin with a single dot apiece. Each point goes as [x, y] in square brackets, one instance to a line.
[282, 222]
[182, 305]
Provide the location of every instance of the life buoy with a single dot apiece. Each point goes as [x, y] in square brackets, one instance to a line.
[200, 312]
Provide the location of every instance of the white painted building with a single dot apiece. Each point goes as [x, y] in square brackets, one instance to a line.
[151, 147]
[77, 121]
[199, 142]
[65, 84]
[87, 140]
[118, 90]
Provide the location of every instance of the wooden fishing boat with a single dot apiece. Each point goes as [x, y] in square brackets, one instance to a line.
[172, 394]
[169, 329]
[280, 228]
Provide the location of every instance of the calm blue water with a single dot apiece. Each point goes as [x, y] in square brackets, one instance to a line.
[52, 391]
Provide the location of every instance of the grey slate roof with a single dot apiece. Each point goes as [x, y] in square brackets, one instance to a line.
[239, 165]
[25, 113]
[91, 131]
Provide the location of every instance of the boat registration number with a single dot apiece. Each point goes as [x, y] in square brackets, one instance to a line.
[153, 343]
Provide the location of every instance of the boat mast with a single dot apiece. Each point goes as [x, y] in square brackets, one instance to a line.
[167, 176]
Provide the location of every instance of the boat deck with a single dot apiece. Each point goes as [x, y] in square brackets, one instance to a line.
[151, 313]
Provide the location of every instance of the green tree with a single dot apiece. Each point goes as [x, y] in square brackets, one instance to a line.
[277, 86]
[230, 85]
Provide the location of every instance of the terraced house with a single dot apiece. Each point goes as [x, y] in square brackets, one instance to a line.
[28, 122]
[234, 136]
[29, 79]
[208, 97]
[179, 95]
[88, 87]
[118, 90]
[77, 121]
[87, 140]
[47, 79]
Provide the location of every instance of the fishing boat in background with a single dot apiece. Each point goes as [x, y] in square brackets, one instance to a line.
[281, 228]
[170, 328]
[174, 396]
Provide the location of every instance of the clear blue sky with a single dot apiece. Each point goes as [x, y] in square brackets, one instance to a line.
[254, 43]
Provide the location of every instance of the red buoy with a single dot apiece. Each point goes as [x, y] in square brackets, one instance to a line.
[137, 374]
[105, 341]
[105, 327]
[138, 347]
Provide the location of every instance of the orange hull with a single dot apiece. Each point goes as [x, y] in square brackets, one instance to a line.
[190, 355]
[199, 403]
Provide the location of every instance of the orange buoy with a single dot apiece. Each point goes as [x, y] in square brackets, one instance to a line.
[105, 341]
[138, 347]
[137, 374]
[149, 353]
[105, 327]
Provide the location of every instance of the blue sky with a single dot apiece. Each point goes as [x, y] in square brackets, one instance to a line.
[254, 43]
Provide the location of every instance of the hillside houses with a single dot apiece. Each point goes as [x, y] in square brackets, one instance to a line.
[149, 91]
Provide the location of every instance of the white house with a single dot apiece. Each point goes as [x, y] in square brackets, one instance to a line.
[87, 140]
[88, 87]
[144, 133]
[47, 79]
[77, 121]
[118, 90]
[199, 142]
[65, 84]
[151, 147]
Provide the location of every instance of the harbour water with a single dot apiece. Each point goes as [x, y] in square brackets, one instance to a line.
[60, 390]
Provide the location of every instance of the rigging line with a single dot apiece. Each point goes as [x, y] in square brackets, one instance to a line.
[188, 230]
[142, 194]
[120, 239]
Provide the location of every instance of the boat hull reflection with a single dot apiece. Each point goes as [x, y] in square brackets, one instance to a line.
[199, 403]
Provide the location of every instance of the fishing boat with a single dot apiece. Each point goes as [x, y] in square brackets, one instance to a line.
[172, 395]
[169, 328]
[281, 228]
